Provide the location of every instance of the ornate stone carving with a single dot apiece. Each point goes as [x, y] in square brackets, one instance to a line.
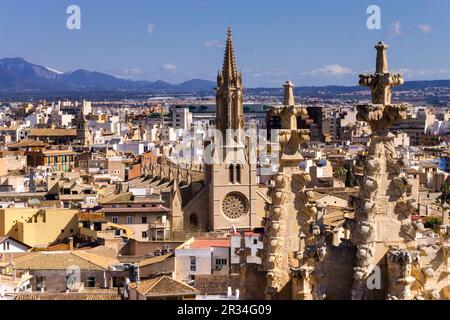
[288, 199]
[382, 81]
[383, 207]
[400, 263]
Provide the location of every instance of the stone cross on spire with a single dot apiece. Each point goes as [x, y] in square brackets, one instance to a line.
[382, 81]
[229, 71]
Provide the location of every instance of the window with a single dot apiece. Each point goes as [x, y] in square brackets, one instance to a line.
[144, 235]
[231, 174]
[40, 283]
[160, 235]
[238, 173]
[193, 264]
[115, 220]
[90, 282]
[62, 230]
[255, 241]
[221, 262]
[144, 220]
[129, 220]
[193, 221]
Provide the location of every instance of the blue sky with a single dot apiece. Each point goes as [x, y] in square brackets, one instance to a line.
[309, 42]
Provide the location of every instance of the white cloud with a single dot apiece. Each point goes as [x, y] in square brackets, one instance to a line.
[133, 71]
[395, 30]
[330, 70]
[423, 74]
[275, 74]
[214, 44]
[170, 67]
[425, 28]
[404, 71]
[151, 28]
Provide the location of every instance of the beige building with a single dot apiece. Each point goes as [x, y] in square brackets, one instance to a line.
[12, 163]
[146, 217]
[38, 227]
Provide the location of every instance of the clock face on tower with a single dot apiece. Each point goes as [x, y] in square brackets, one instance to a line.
[234, 205]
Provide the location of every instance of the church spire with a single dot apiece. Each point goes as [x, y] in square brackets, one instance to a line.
[229, 71]
[229, 98]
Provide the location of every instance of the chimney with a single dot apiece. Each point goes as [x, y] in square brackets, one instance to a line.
[70, 243]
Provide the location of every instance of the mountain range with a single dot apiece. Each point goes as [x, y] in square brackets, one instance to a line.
[18, 75]
[21, 78]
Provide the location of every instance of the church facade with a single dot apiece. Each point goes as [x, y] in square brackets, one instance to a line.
[231, 178]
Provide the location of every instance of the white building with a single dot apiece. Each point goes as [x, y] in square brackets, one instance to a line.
[252, 241]
[182, 118]
[201, 257]
[11, 245]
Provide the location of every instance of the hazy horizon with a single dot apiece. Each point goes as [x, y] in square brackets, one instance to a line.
[312, 44]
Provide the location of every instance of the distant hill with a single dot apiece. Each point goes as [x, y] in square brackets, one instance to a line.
[18, 75]
[19, 78]
[336, 90]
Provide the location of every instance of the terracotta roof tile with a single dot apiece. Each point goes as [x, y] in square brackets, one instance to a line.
[52, 132]
[68, 296]
[62, 260]
[163, 286]
[224, 243]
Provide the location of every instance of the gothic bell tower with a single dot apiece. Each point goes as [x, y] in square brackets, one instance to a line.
[229, 98]
[232, 177]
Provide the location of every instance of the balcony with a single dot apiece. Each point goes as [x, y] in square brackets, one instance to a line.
[160, 225]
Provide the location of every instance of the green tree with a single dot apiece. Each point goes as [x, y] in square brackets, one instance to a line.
[432, 222]
[340, 172]
[350, 178]
[444, 198]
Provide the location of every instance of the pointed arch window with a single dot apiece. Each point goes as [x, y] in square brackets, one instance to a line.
[238, 173]
[193, 221]
[231, 173]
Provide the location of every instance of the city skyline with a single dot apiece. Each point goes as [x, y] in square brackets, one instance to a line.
[325, 43]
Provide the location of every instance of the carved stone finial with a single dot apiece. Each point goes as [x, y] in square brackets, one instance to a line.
[382, 64]
[289, 94]
[382, 81]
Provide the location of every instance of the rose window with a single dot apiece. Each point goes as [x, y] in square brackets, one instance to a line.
[235, 205]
